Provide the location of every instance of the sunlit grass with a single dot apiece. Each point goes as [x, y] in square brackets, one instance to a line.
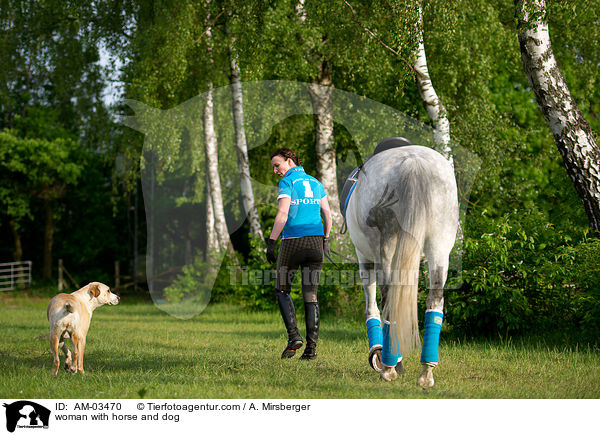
[136, 350]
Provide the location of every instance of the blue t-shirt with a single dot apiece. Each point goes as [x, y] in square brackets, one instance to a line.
[305, 193]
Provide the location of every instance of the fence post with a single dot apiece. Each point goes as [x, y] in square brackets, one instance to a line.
[117, 275]
[60, 275]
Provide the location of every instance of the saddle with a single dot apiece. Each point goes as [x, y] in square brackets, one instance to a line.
[350, 183]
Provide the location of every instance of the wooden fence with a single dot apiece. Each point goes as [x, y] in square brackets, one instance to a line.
[15, 275]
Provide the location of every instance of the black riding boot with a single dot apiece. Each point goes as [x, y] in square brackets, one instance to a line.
[288, 313]
[311, 313]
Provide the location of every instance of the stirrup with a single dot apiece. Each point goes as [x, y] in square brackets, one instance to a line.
[291, 348]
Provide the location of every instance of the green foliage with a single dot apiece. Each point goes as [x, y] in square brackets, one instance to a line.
[522, 274]
[190, 283]
[35, 167]
[576, 272]
[492, 297]
[251, 282]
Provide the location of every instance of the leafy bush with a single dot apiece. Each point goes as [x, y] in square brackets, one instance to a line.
[492, 297]
[251, 282]
[521, 274]
[577, 275]
[192, 282]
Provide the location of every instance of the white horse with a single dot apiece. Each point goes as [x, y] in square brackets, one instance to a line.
[404, 205]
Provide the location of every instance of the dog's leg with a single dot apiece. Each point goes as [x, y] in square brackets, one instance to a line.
[54, 350]
[75, 340]
[78, 347]
[68, 360]
[81, 352]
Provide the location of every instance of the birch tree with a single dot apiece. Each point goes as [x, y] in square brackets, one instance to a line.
[240, 141]
[320, 94]
[212, 241]
[214, 201]
[433, 104]
[212, 169]
[572, 133]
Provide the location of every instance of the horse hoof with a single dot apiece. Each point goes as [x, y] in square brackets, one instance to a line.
[425, 379]
[388, 374]
[400, 368]
[375, 359]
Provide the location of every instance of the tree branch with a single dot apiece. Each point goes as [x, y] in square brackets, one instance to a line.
[370, 32]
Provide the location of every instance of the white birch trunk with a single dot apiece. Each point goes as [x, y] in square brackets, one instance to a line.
[320, 94]
[212, 243]
[241, 145]
[214, 181]
[217, 234]
[572, 134]
[435, 109]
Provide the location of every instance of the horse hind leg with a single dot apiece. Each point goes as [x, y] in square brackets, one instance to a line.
[438, 271]
[400, 258]
[391, 357]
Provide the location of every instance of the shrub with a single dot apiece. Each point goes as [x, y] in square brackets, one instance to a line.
[521, 274]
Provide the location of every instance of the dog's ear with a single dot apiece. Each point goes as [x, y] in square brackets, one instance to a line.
[95, 289]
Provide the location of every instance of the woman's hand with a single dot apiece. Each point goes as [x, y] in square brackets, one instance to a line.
[326, 250]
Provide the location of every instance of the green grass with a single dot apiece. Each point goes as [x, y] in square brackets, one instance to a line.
[136, 351]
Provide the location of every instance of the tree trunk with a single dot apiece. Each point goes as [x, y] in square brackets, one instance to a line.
[214, 200]
[212, 166]
[572, 134]
[241, 145]
[136, 255]
[49, 228]
[18, 254]
[435, 109]
[212, 244]
[320, 94]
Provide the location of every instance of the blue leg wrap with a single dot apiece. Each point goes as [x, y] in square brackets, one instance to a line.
[374, 333]
[389, 355]
[431, 338]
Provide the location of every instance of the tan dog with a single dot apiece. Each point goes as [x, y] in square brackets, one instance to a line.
[69, 316]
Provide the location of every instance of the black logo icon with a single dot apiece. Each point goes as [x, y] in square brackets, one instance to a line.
[26, 414]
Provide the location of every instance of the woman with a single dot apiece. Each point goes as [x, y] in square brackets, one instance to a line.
[302, 200]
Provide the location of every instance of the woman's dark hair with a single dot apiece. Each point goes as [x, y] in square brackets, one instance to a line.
[287, 153]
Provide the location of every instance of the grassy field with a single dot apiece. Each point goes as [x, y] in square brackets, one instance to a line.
[137, 351]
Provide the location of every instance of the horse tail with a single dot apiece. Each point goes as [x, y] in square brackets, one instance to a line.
[401, 305]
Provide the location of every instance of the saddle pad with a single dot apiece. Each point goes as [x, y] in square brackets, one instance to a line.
[350, 184]
[348, 188]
